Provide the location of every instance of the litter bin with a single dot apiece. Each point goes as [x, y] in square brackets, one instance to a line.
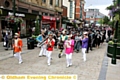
[30, 43]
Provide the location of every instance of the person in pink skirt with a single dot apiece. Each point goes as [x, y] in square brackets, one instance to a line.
[69, 46]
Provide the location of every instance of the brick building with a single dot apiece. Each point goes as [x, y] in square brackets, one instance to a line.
[93, 16]
[49, 10]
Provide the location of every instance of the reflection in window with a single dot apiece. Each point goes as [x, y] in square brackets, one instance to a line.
[44, 1]
[57, 2]
[51, 2]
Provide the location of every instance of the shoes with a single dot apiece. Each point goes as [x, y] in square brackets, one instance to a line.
[84, 60]
[68, 66]
[48, 64]
[6, 49]
[40, 55]
[20, 62]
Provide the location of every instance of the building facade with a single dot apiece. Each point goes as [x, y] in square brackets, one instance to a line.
[93, 16]
[49, 10]
[69, 9]
[79, 9]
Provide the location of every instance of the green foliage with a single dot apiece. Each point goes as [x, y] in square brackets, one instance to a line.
[110, 7]
[106, 20]
[112, 43]
[37, 27]
[100, 21]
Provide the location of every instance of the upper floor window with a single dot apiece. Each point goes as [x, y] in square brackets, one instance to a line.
[57, 2]
[44, 1]
[51, 2]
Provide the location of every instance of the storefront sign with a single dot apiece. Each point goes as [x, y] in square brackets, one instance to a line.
[48, 18]
[17, 14]
[1, 11]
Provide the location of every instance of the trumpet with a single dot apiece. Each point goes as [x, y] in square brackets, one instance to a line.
[43, 42]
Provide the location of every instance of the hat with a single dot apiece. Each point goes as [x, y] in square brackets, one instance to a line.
[16, 34]
[85, 33]
[69, 36]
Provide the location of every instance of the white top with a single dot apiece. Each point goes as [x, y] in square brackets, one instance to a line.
[67, 43]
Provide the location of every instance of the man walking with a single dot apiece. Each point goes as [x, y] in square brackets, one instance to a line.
[17, 47]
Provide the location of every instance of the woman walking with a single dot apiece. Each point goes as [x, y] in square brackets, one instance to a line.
[69, 46]
[84, 45]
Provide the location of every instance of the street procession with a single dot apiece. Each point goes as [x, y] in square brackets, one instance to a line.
[59, 39]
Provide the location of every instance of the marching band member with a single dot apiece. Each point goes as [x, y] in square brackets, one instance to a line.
[84, 45]
[63, 38]
[17, 47]
[40, 38]
[69, 46]
[50, 46]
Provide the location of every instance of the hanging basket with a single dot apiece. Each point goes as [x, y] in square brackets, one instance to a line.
[13, 19]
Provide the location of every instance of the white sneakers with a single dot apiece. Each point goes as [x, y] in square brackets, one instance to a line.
[69, 65]
[48, 64]
[20, 62]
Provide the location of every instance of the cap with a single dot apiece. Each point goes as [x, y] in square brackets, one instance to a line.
[85, 33]
[16, 34]
[69, 36]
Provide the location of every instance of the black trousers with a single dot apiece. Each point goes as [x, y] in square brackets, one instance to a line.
[89, 47]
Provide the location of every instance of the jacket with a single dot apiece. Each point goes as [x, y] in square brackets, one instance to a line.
[85, 43]
[50, 48]
[17, 46]
[69, 48]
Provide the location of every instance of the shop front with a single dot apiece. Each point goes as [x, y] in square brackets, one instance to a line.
[49, 22]
[24, 27]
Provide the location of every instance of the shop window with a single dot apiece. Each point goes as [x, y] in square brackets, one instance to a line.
[71, 9]
[22, 9]
[51, 2]
[52, 15]
[44, 1]
[57, 2]
[35, 12]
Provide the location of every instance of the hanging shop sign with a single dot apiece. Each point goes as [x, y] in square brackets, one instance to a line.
[48, 18]
[17, 14]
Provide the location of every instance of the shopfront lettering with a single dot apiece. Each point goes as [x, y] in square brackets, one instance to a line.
[17, 14]
[0, 11]
[48, 18]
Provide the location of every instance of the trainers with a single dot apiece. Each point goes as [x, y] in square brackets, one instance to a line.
[48, 64]
[85, 60]
[40, 55]
[20, 62]
[71, 64]
[68, 66]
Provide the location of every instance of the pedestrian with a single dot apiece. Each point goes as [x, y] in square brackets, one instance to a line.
[84, 44]
[40, 39]
[77, 42]
[69, 46]
[17, 47]
[9, 44]
[50, 46]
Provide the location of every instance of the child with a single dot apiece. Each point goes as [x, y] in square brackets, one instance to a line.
[69, 46]
[50, 46]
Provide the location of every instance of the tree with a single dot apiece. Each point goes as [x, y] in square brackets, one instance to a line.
[106, 20]
[100, 21]
[37, 26]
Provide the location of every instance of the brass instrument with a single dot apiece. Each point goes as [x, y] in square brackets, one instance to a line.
[42, 43]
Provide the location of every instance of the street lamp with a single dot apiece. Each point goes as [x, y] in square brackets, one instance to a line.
[14, 9]
[115, 37]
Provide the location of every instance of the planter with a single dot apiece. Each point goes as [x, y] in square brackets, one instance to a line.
[110, 51]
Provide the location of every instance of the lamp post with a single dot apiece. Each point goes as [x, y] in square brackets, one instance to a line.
[14, 9]
[115, 37]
